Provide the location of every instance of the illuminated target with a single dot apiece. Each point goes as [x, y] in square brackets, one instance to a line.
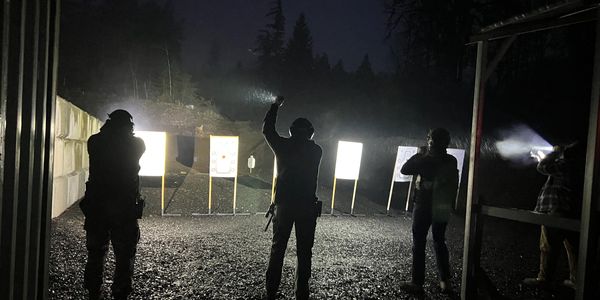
[347, 165]
[152, 162]
[223, 156]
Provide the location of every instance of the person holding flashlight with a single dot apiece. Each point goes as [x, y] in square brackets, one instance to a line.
[556, 198]
[435, 192]
[296, 204]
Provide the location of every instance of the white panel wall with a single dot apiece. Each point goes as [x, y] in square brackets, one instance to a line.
[73, 127]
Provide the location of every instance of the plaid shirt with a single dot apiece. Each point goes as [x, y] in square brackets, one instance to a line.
[555, 196]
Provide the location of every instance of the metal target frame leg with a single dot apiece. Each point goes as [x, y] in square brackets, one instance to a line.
[162, 201]
[333, 196]
[408, 195]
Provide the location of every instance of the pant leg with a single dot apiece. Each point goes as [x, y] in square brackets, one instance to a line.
[305, 237]
[544, 249]
[97, 240]
[125, 237]
[282, 227]
[571, 257]
[420, 227]
[554, 239]
[441, 250]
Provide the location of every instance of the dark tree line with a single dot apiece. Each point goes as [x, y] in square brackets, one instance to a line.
[118, 50]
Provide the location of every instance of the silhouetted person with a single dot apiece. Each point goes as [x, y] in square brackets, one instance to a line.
[556, 198]
[435, 192]
[298, 160]
[110, 203]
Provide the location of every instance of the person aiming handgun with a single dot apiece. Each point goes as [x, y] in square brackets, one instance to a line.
[295, 204]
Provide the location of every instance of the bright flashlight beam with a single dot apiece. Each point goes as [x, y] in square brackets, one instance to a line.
[260, 95]
[519, 142]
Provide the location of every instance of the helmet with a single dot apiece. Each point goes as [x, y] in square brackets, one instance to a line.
[439, 137]
[121, 117]
[302, 128]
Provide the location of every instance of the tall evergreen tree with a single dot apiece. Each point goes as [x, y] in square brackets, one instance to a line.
[364, 70]
[299, 51]
[339, 70]
[270, 41]
[322, 66]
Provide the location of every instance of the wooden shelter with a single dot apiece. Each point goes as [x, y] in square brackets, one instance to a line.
[561, 14]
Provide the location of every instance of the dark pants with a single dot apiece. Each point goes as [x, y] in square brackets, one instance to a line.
[420, 227]
[124, 237]
[304, 220]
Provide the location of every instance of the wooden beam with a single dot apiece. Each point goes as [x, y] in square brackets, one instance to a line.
[535, 26]
[589, 213]
[471, 244]
[530, 217]
[498, 57]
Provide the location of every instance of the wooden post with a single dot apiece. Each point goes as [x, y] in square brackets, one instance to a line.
[471, 247]
[274, 178]
[353, 196]
[234, 193]
[162, 196]
[209, 194]
[333, 195]
[589, 211]
[390, 196]
[409, 193]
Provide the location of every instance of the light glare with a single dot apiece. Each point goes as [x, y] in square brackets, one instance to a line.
[347, 164]
[152, 162]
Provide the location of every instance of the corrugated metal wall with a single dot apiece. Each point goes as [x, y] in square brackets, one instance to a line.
[27, 93]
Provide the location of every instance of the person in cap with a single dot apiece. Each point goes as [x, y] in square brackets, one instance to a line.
[298, 160]
[435, 192]
[111, 203]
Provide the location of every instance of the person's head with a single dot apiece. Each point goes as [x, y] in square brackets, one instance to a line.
[301, 128]
[120, 120]
[438, 139]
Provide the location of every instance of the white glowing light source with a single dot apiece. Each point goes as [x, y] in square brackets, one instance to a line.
[152, 162]
[403, 154]
[347, 165]
[459, 154]
[223, 156]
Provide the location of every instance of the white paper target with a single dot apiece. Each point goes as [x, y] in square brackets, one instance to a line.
[404, 153]
[223, 156]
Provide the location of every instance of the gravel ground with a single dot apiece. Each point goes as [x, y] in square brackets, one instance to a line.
[224, 257]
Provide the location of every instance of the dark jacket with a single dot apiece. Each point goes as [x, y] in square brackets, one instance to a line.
[113, 183]
[298, 163]
[438, 182]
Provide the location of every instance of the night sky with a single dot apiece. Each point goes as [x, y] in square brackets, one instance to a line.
[344, 29]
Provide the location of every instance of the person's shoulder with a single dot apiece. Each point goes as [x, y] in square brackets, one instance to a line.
[450, 158]
[317, 147]
[138, 142]
[94, 138]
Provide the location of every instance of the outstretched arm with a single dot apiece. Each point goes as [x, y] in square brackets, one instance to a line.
[269, 131]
